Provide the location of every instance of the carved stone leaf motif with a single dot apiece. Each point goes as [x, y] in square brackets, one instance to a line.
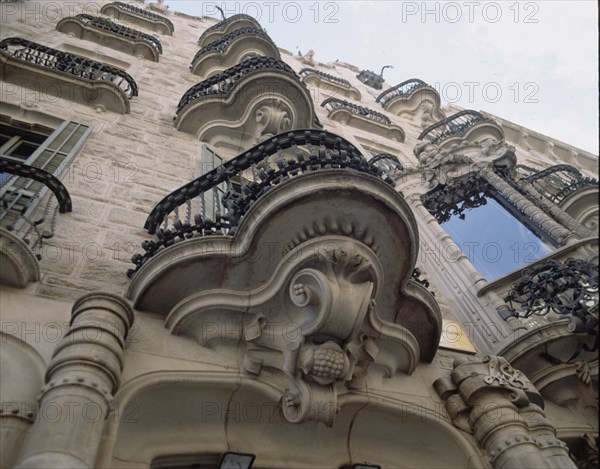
[502, 373]
[582, 370]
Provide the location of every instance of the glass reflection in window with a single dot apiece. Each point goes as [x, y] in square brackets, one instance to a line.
[495, 242]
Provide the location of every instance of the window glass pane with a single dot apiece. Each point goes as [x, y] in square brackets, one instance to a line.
[495, 242]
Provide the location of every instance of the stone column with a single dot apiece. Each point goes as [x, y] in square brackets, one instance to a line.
[503, 410]
[81, 379]
[547, 224]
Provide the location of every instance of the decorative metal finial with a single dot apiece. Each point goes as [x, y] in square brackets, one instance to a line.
[384, 67]
[222, 12]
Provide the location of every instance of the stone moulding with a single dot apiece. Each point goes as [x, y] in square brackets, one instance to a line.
[232, 23]
[139, 16]
[332, 300]
[231, 49]
[18, 263]
[362, 422]
[329, 85]
[84, 28]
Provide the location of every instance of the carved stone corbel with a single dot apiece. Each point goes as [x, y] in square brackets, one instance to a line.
[313, 328]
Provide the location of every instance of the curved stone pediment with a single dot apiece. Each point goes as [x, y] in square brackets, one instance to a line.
[235, 111]
[227, 26]
[238, 46]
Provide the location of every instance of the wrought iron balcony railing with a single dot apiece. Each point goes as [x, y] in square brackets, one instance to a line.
[223, 83]
[137, 11]
[455, 125]
[223, 24]
[387, 163]
[404, 90]
[333, 103]
[568, 289]
[67, 63]
[224, 191]
[558, 182]
[222, 44]
[326, 76]
[105, 24]
[22, 187]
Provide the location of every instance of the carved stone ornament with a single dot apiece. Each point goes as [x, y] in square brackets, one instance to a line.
[328, 308]
[315, 324]
[273, 119]
[504, 411]
[438, 163]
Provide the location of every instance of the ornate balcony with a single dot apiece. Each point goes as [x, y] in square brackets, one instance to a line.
[27, 218]
[387, 163]
[329, 84]
[183, 213]
[76, 78]
[411, 98]
[110, 34]
[246, 104]
[560, 182]
[462, 126]
[365, 119]
[556, 303]
[227, 26]
[564, 186]
[316, 240]
[139, 16]
[231, 49]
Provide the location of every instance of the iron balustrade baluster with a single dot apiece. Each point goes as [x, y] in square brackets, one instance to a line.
[142, 12]
[455, 125]
[568, 288]
[17, 202]
[564, 179]
[404, 90]
[335, 103]
[340, 81]
[387, 163]
[271, 163]
[71, 64]
[223, 24]
[223, 83]
[107, 25]
[222, 44]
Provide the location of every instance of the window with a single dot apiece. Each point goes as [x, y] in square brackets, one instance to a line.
[484, 225]
[495, 242]
[46, 149]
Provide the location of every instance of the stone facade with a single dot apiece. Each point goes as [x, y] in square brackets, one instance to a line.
[283, 318]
